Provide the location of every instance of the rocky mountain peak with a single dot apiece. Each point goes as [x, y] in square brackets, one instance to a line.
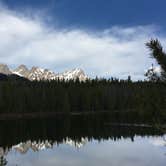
[37, 73]
[73, 74]
[22, 67]
[22, 70]
[4, 69]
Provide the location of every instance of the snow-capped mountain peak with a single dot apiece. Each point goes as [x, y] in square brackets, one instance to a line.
[73, 74]
[37, 73]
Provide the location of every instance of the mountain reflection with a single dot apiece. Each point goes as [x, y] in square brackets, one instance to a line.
[35, 146]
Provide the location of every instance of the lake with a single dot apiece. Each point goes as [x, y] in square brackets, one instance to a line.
[79, 141]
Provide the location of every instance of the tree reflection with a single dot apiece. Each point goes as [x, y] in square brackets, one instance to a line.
[3, 161]
[60, 129]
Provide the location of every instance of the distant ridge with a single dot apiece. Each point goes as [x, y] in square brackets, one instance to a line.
[36, 73]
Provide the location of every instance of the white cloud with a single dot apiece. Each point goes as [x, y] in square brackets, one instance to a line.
[117, 51]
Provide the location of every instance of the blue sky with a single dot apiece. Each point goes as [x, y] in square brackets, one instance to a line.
[98, 14]
[104, 37]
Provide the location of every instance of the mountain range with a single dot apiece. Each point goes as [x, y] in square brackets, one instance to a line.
[36, 73]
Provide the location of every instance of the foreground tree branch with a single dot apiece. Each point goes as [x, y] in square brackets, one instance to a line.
[157, 53]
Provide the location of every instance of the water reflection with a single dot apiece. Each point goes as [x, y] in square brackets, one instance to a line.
[35, 146]
[79, 141]
[141, 152]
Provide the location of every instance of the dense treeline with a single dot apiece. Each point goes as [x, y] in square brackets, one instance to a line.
[145, 98]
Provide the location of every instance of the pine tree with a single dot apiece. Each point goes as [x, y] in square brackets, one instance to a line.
[160, 56]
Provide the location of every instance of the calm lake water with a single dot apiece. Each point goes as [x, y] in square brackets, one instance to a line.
[79, 141]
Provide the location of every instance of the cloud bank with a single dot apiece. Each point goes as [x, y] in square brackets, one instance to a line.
[117, 51]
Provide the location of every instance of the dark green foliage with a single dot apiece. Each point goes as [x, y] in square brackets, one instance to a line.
[3, 161]
[148, 99]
